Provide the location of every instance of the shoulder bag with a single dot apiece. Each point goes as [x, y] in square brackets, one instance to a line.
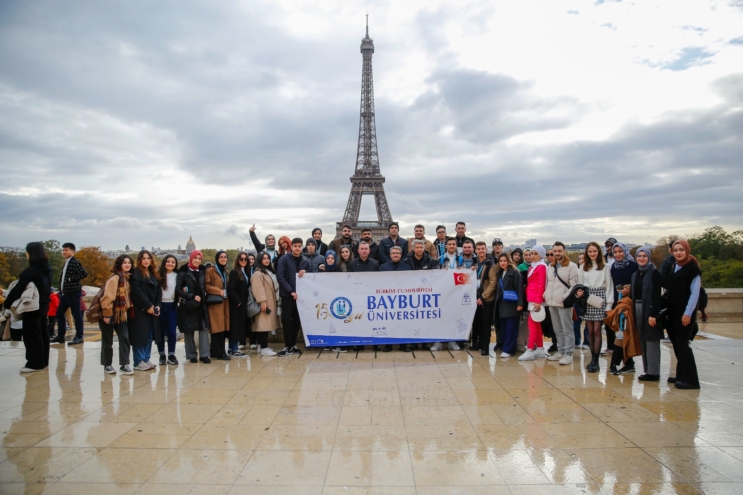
[508, 295]
[252, 308]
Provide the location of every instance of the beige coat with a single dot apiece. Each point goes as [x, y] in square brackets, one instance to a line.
[264, 292]
[109, 294]
[555, 291]
[219, 314]
[428, 247]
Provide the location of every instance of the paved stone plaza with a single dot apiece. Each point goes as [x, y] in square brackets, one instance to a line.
[387, 424]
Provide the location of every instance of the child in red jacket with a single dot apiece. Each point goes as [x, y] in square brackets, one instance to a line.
[52, 314]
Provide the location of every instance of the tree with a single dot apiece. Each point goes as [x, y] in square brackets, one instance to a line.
[716, 243]
[56, 260]
[96, 264]
[4, 270]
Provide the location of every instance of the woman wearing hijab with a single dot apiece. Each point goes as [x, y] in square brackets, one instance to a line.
[596, 275]
[536, 281]
[265, 290]
[645, 294]
[35, 331]
[683, 287]
[147, 296]
[330, 265]
[622, 269]
[237, 293]
[219, 312]
[190, 290]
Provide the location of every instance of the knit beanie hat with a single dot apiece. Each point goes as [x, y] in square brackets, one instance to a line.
[540, 249]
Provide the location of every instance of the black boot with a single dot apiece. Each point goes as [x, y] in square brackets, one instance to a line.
[593, 366]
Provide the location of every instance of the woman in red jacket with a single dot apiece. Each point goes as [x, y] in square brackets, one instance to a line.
[52, 314]
[536, 281]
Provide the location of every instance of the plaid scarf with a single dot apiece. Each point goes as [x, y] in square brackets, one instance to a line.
[121, 301]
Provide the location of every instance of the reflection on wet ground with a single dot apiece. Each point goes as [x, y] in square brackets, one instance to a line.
[369, 424]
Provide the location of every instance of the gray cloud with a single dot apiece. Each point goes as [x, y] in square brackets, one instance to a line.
[101, 106]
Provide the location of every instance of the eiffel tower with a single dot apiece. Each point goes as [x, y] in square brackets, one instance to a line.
[367, 180]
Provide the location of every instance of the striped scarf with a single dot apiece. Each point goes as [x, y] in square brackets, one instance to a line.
[121, 301]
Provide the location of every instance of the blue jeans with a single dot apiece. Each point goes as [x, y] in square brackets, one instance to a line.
[509, 328]
[143, 353]
[168, 323]
[70, 301]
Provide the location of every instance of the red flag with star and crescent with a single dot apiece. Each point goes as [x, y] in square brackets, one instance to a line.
[461, 278]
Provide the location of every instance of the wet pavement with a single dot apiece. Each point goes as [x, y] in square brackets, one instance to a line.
[398, 424]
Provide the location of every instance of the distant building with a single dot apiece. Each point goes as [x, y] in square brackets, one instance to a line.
[190, 246]
[530, 243]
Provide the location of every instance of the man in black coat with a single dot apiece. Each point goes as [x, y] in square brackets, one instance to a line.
[70, 294]
[322, 248]
[364, 263]
[393, 239]
[461, 238]
[396, 264]
[289, 266]
[419, 259]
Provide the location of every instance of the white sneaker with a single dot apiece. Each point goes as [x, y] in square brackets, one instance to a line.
[539, 353]
[566, 359]
[109, 369]
[555, 357]
[436, 346]
[126, 369]
[29, 370]
[339, 349]
[253, 347]
[151, 365]
[267, 351]
[143, 366]
[505, 355]
[453, 346]
[585, 346]
[529, 355]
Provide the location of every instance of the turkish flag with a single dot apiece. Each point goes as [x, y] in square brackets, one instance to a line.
[461, 278]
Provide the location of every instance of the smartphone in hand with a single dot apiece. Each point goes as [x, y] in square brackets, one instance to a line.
[268, 311]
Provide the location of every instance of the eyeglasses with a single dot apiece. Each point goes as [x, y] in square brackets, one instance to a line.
[243, 259]
[550, 254]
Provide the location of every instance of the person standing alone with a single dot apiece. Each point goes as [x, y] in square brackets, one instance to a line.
[70, 293]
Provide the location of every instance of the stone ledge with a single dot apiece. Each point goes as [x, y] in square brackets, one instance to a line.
[725, 301]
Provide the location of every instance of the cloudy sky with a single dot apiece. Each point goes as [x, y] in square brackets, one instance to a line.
[142, 122]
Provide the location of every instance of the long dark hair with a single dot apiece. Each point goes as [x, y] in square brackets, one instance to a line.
[164, 272]
[150, 270]
[237, 266]
[119, 261]
[259, 263]
[36, 253]
[588, 262]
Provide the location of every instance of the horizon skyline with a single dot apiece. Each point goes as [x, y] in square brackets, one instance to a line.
[576, 120]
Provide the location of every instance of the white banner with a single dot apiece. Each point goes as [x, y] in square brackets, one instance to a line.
[386, 307]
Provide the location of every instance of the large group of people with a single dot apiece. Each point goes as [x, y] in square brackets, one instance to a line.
[523, 294]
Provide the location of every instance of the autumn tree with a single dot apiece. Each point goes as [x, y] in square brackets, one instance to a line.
[95, 263]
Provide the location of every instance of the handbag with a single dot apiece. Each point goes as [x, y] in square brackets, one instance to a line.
[508, 295]
[252, 308]
[595, 301]
[212, 299]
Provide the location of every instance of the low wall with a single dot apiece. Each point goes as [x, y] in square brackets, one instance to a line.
[725, 301]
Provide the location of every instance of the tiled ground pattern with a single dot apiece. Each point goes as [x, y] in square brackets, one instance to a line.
[391, 423]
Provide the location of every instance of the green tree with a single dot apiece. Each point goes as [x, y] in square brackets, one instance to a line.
[716, 243]
[56, 260]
